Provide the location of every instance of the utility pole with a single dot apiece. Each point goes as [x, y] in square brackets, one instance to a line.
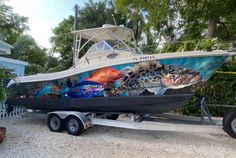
[75, 56]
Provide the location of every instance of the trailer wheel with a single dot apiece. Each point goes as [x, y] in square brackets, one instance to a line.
[229, 123]
[55, 123]
[74, 126]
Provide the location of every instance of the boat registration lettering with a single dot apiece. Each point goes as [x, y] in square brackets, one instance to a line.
[144, 57]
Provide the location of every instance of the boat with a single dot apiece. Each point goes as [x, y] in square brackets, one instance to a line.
[115, 76]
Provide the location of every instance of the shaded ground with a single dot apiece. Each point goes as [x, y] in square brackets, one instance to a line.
[30, 137]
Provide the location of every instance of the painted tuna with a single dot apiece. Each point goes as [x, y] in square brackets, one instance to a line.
[104, 76]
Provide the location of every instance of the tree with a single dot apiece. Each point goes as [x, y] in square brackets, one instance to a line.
[208, 11]
[184, 18]
[26, 49]
[94, 14]
[52, 65]
[159, 15]
[40, 59]
[12, 25]
[63, 41]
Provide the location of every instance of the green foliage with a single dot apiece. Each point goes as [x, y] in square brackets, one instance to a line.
[206, 9]
[193, 29]
[3, 90]
[12, 25]
[152, 49]
[155, 11]
[211, 12]
[52, 65]
[190, 45]
[185, 18]
[32, 69]
[172, 47]
[95, 14]
[159, 15]
[229, 66]
[63, 41]
[226, 29]
[192, 107]
[26, 49]
[219, 89]
[206, 44]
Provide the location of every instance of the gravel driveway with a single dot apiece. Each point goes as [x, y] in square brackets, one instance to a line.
[30, 137]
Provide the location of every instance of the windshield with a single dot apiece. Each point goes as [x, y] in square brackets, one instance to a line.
[100, 46]
[109, 45]
[117, 45]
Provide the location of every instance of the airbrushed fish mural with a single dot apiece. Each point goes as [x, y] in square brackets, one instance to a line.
[47, 91]
[86, 89]
[104, 76]
[157, 78]
[123, 80]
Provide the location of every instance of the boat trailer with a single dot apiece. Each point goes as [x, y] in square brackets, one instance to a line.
[75, 122]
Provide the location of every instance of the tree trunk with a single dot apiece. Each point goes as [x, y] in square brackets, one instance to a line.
[211, 32]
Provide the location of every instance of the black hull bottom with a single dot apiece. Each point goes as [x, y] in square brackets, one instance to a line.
[134, 104]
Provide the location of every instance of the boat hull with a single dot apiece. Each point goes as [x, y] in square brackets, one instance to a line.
[132, 104]
[130, 79]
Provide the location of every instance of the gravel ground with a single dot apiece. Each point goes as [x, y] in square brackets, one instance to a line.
[30, 137]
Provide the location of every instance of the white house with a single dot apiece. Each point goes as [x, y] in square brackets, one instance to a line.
[14, 66]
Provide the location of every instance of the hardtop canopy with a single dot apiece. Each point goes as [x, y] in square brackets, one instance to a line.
[106, 32]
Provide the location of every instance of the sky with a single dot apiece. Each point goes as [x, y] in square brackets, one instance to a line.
[44, 15]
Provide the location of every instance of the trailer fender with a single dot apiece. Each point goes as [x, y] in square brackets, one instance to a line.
[64, 114]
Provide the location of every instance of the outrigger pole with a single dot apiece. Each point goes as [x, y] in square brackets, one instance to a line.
[75, 36]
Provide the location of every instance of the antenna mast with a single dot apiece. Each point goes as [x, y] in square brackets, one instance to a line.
[75, 36]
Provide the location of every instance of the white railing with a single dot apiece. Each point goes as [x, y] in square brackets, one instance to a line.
[16, 111]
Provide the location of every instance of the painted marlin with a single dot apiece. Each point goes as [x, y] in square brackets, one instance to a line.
[104, 76]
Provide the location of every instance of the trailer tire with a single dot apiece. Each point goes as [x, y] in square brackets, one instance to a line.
[229, 123]
[55, 123]
[74, 125]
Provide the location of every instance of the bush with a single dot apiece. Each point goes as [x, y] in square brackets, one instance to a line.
[219, 89]
[203, 44]
[4, 78]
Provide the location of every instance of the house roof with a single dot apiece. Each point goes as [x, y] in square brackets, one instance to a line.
[6, 44]
[5, 48]
[13, 61]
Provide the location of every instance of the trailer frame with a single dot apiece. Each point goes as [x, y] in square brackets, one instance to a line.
[143, 121]
[75, 122]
